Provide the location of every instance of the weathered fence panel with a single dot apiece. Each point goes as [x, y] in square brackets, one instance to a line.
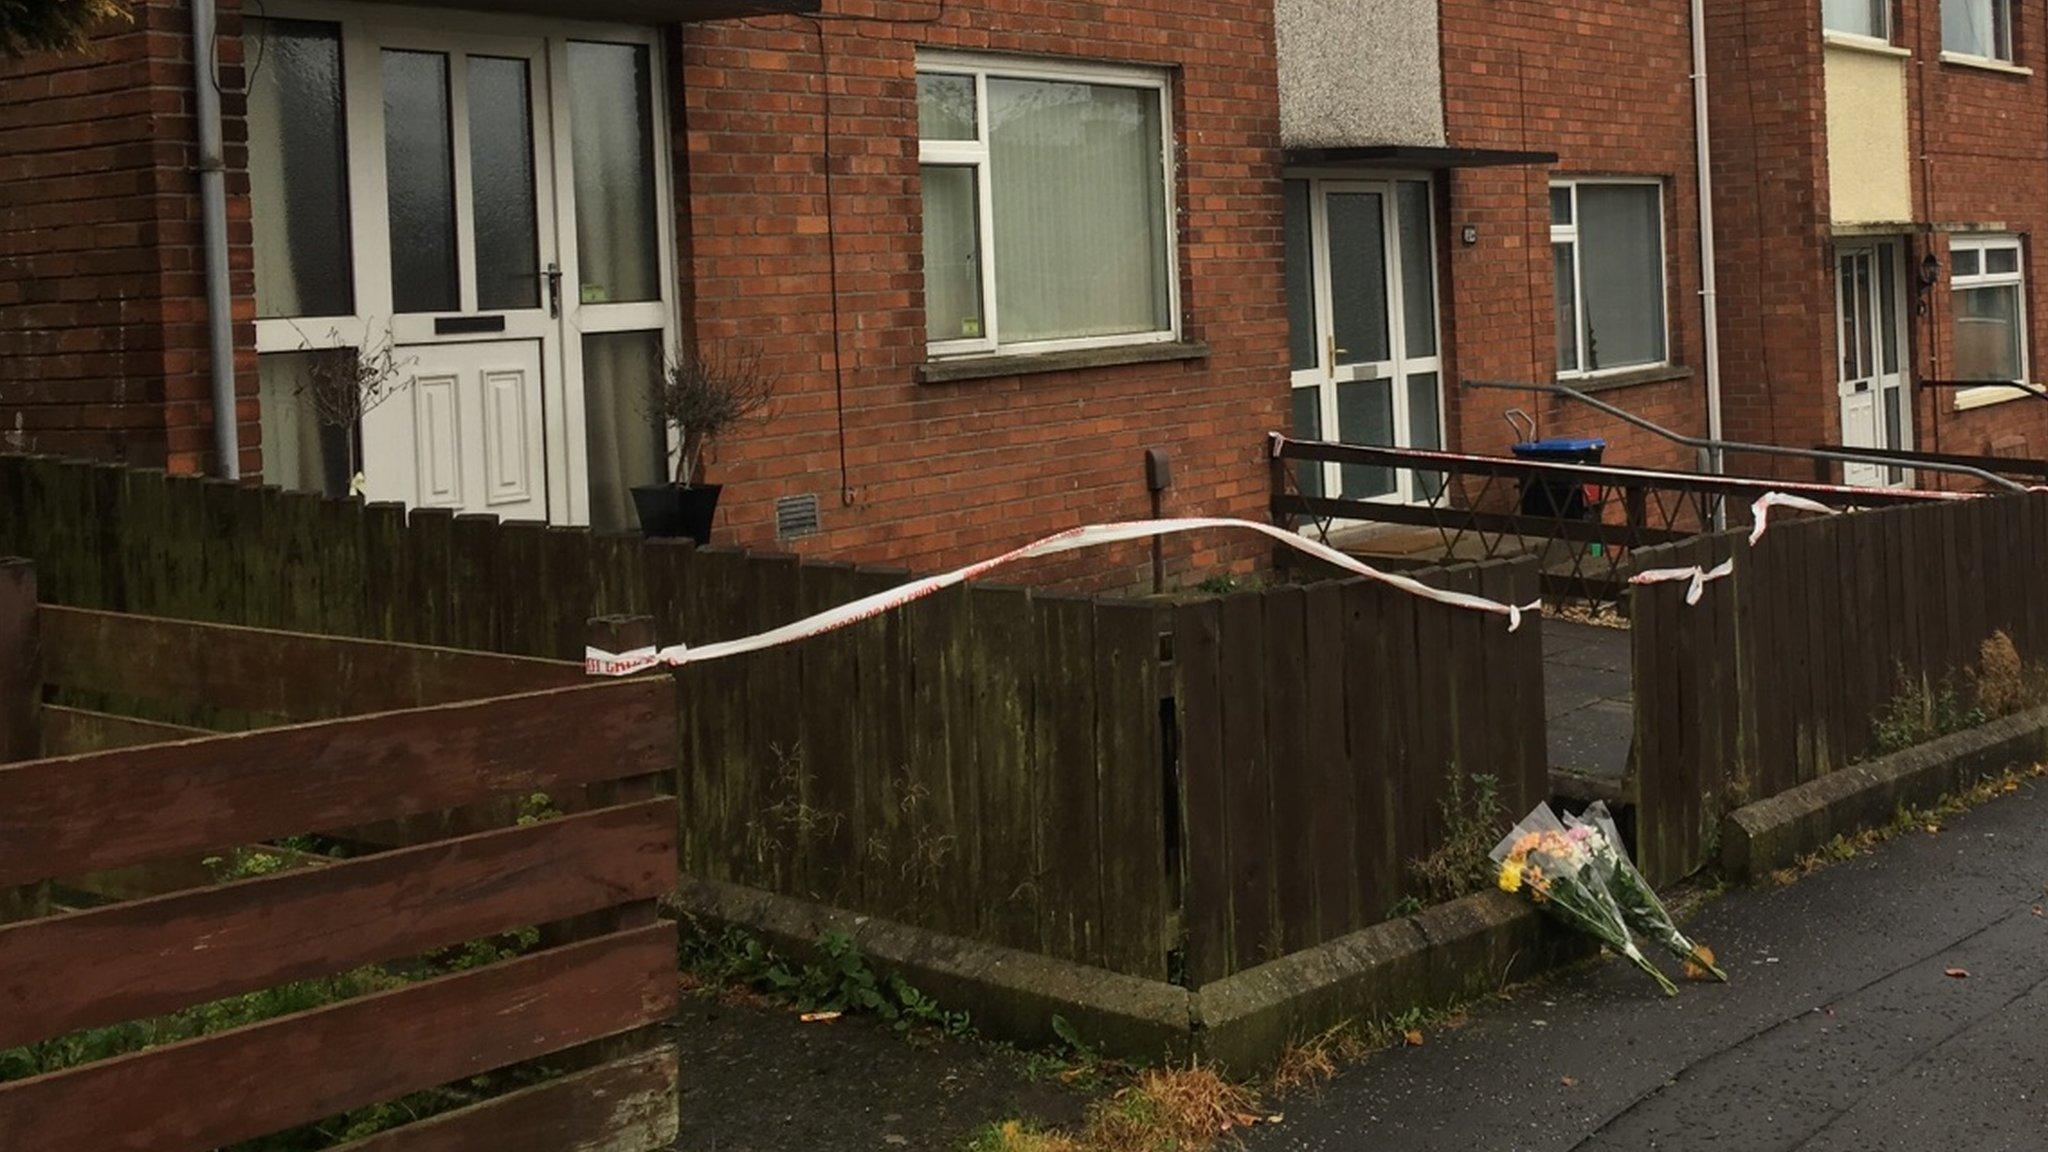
[1319, 731]
[21, 674]
[584, 1001]
[1778, 674]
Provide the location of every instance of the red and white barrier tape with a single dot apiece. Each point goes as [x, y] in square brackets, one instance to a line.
[1760, 514]
[598, 662]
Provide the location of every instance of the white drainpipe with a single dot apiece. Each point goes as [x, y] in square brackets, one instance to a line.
[213, 227]
[1709, 312]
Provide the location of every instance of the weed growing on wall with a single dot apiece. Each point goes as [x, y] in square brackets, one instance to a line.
[1473, 820]
[839, 980]
[1999, 684]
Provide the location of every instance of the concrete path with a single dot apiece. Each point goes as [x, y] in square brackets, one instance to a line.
[1842, 1029]
[1586, 698]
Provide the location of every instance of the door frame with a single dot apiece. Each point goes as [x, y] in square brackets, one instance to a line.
[364, 28]
[1326, 374]
[1879, 381]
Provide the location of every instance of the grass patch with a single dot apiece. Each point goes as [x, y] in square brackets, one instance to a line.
[1188, 1108]
[1998, 684]
[1473, 822]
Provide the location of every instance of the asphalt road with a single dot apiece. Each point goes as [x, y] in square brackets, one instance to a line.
[1842, 1028]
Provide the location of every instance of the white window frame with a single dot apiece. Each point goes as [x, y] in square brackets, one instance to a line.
[1983, 245]
[1569, 234]
[975, 154]
[1882, 36]
[2002, 13]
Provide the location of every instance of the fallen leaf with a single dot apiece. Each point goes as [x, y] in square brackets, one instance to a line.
[1413, 1037]
[1957, 973]
[1277, 1118]
[818, 1017]
[1568, 1082]
[2038, 911]
[1933, 828]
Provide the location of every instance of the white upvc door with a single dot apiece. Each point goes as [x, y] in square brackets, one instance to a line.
[1870, 328]
[1375, 378]
[456, 128]
[527, 358]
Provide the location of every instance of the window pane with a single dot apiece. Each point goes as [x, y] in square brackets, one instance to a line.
[298, 176]
[1418, 272]
[1988, 333]
[945, 107]
[1308, 425]
[501, 181]
[1560, 205]
[622, 435]
[1966, 262]
[299, 451]
[1860, 17]
[1078, 181]
[952, 264]
[1358, 276]
[1621, 284]
[1301, 277]
[1975, 28]
[419, 160]
[1566, 280]
[1365, 415]
[1848, 333]
[2001, 260]
[1888, 306]
[611, 132]
[1423, 431]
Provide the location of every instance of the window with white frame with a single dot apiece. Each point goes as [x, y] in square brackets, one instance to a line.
[1981, 28]
[1872, 18]
[1607, 243]
[1987, 290]
[1047, 223]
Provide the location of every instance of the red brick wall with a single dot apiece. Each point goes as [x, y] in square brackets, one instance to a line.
[102, 299]
[1604, 84]
[938, 474]
[1986, 138]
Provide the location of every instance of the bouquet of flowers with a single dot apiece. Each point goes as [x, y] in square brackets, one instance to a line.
[1640, 907]
[1559, 871]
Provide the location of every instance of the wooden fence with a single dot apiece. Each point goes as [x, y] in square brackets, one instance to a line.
[1778, 674]
[572, 1014]
[1015, 766]
[1319, 730]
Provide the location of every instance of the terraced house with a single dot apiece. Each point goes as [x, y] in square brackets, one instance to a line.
[993, 251]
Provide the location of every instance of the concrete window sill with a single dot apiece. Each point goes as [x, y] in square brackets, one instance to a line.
[1985, 63]
[1855, 43]
[1652, 374]
[1035, 363]
[1984, 397]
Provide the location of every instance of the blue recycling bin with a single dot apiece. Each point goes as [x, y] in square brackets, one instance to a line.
[1555, 495]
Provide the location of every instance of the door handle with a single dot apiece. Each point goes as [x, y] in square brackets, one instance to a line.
[553, 276]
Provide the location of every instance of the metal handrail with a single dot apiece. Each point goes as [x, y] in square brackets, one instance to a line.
[1718, 446]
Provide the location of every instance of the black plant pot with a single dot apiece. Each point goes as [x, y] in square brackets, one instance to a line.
[670, 510]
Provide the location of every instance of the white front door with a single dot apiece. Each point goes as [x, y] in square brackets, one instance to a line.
[1361, 276]
[461, 123]
[496, 191]
[1870, 336]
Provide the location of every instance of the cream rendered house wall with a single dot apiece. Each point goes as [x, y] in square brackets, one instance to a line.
[1869, 172]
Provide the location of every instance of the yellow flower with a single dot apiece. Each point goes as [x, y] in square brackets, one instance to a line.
[1510, 877]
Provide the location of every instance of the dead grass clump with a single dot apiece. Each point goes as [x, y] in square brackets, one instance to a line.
[2000, 678]
[1171, 1110]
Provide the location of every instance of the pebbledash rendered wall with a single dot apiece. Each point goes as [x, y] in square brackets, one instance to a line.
[940, 473]
[1605, 85]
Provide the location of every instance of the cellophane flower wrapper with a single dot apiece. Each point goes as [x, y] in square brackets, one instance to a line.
[1553, 866]
[1640, 906]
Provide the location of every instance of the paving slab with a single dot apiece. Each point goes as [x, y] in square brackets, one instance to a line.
[1587, 701]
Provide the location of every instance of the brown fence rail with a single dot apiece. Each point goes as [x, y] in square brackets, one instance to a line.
[1777, 676]
[89, 978]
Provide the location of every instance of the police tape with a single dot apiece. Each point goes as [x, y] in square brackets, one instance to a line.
[597, 662]
[1760, 515]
